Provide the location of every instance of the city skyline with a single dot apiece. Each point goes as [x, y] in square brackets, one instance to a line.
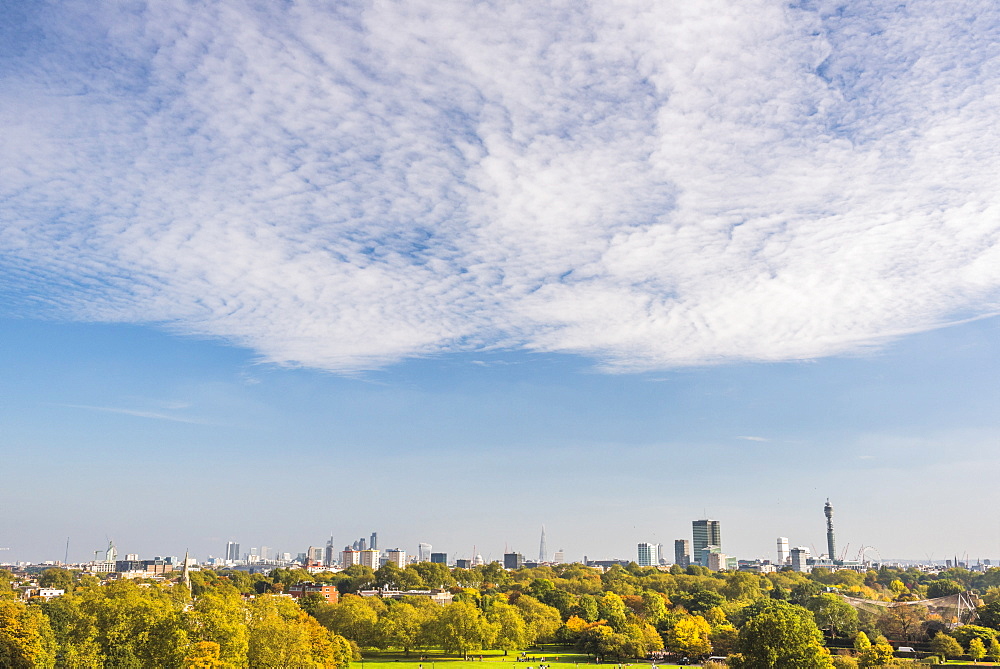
[461, 270]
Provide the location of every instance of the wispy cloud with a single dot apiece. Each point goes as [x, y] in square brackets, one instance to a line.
[138, 413]
[651, 184]
[748, 438]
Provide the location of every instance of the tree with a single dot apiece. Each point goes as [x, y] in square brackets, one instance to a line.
[833, 614]
[353, 619]
[283, 635]
[878, 654]
[219, 616]
[403, 626]
[781, 635]
[461, 627]
[989, 615]
[861, 642]
[512, 632]
[967, 633]
[54, 577]
[946, 646]
[26, 639]
[977, 649]
[993, 650]
[203, 655]
[611, 608]
[689, 637]
[944, 587]
[543, 621]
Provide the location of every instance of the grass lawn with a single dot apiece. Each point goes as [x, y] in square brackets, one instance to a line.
[491, 659]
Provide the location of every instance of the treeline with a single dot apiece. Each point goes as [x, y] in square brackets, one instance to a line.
[235, 619]
[126, 625]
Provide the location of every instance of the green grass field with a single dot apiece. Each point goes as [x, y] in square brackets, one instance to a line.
[491, 660]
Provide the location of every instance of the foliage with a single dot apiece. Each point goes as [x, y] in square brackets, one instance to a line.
[26, 639]
[946, 646]
[781, 635]
[966, 633]
[977, 649]
[689, 637]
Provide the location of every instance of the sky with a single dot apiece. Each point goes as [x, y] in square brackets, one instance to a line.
[451, 271]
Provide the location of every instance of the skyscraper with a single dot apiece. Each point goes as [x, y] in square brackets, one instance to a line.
[439, 558]
[782, 551]
[543, 554]
[232, 551]
[682, 552]
[649, 554]
[705, 533]
[330, 556]
[374, 542]
[424, 552]
[831, 546]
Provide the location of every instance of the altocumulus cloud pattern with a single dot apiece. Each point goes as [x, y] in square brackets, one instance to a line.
[649, 183]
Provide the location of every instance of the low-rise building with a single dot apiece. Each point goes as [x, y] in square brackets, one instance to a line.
[324, 590]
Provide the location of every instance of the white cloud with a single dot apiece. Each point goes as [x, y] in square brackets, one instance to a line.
[649, 183]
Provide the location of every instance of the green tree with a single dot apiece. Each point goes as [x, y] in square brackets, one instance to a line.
[946, 646]
[833, 614]
[404, 626]
[55, 577]
[977, 649]
[542, 620]
[512, 632]
[944, 587]
[967, 633]
[993, 650]
[611, 608]
[26, 639]
[352, 619]
[461, 627]
[878, 654]
[861, 642]
[781, 635]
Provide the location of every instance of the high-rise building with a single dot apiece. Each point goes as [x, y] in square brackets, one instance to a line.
[439, 558]
[543, 553]
[330, 554]
[373, 545]
[682, 553]
[831, 546]
[705, 533]
[232, 551]
[800, 559]
[314, 555]
[782, 551]
[362, 544]
[649, 554]
[370, 558]
[349, 557]
[396, 557]
[264, 550]
[423, 552]
[559, 556]
[512, 560]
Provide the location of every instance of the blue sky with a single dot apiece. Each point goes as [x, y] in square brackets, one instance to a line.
[455, 270]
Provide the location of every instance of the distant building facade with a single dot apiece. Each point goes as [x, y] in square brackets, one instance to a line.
[329, 593]
[682, 553]
[513, 560]
[648, 554]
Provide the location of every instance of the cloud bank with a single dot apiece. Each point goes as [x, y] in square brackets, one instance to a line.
[647, 183]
